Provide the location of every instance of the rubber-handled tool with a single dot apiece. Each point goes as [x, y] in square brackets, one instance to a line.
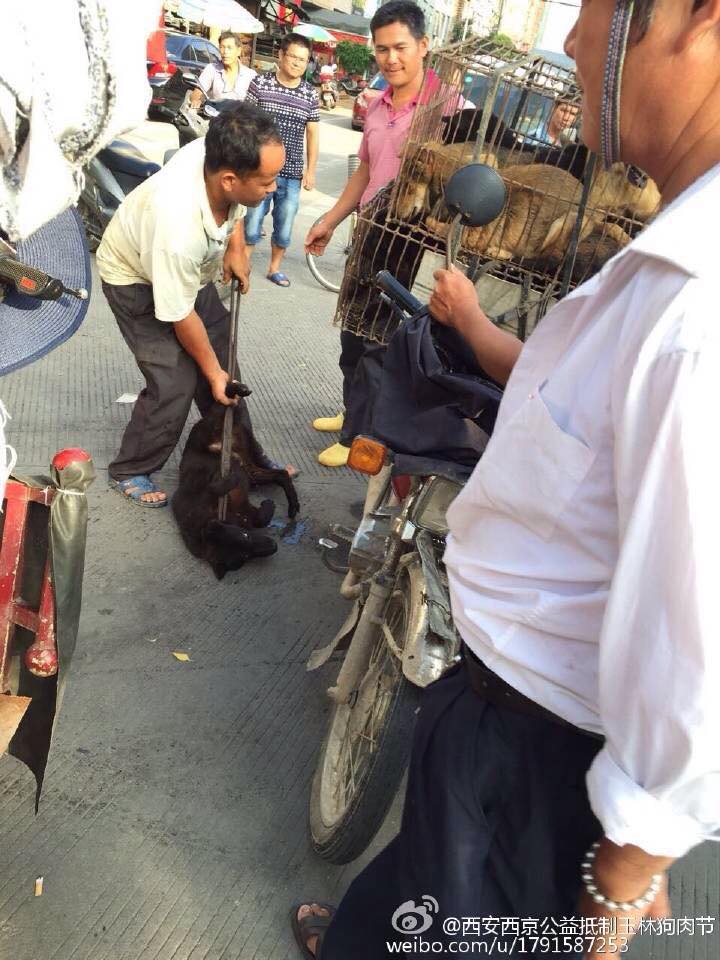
[33, 282]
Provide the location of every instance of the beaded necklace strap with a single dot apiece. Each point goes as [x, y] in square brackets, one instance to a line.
[610, 115]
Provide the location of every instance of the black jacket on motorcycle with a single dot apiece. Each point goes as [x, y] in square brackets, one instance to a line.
[433, 399]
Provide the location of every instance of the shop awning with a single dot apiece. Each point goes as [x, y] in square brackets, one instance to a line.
[225, 14]
[352, 37]
[346, 26]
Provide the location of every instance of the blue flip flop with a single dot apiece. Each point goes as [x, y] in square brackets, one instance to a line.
[281, 279]
[139, 485]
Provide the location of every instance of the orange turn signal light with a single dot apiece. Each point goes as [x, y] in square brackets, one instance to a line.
[367, 456]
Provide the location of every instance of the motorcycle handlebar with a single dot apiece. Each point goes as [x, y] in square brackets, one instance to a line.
[397, 292]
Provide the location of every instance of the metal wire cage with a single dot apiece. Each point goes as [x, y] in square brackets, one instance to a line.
[563, 218]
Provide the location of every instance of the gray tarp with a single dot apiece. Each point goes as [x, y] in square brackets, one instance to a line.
[342, 22]
[67, 535]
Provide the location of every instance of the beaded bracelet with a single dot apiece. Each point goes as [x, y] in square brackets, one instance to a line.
[589, 880]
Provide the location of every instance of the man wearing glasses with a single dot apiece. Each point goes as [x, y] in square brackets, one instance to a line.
[293, 103]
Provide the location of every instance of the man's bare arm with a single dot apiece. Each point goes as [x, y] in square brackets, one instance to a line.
[319, 234]
[312, 140]
[454, 303]
[193, 338]
[349, 199]
[623, 875]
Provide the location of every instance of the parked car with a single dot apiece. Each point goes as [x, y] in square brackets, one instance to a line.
[170, 50]
[525, 110]
[371, 92]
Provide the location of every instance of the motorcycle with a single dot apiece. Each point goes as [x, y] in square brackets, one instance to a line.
[109, 178]
[399, 636]
[329, 94]
[172, 103]
[351, 87]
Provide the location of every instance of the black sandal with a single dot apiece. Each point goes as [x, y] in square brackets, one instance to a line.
[311, 926]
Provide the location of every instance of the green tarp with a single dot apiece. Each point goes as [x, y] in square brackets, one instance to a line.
[66, 542]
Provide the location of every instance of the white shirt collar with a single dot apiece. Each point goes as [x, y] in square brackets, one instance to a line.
[212, 229]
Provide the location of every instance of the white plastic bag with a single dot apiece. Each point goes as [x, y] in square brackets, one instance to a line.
[73, 76]
[8, 457]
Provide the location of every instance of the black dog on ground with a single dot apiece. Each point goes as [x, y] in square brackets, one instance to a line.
[226, 545]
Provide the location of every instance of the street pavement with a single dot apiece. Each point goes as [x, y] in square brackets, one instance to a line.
[173, 819]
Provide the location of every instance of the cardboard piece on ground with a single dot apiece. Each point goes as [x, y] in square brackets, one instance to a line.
[12, 710]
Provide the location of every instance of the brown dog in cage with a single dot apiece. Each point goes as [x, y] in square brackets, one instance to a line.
[544, 192]
[542, 207]
[428, 166]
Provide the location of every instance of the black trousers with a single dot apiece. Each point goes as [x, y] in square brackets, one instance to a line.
[496, 823]
[361, 364]
[172, 378]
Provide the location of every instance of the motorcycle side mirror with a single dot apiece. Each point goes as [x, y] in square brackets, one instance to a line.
[475, 194]
[190, 80]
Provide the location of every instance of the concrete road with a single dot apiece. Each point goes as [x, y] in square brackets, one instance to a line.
[173, 818]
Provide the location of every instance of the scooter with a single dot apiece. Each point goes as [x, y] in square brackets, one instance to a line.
[109, 178]
[171, 103]
[329, 94]
[399, 636]
[351, 87]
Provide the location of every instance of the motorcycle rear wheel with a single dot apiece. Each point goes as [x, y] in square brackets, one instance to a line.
[359, 771]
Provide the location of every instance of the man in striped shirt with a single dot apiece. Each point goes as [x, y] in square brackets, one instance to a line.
[293, 103]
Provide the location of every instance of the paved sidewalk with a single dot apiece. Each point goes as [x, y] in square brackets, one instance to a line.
[173, 821]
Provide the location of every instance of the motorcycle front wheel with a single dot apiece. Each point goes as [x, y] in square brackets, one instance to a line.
[366, 750]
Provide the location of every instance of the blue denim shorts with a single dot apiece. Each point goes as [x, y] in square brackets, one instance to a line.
[285, 202]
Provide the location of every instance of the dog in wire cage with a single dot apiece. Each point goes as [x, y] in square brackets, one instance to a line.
[544, 181]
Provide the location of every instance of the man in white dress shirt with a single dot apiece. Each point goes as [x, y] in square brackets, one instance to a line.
[573, 756]
[228, 80]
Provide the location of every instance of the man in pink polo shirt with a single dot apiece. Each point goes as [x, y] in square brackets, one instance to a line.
[401, 45]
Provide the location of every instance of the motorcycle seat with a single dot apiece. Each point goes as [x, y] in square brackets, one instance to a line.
[125, 158]
[404, 464]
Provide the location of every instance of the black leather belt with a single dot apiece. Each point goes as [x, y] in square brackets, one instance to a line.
[495, 690]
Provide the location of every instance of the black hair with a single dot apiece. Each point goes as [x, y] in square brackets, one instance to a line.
[235, 138]
[229, 35]
[400, 11]
[643, 14]
[295, 40]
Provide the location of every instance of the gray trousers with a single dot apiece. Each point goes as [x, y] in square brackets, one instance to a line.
[172, 378]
